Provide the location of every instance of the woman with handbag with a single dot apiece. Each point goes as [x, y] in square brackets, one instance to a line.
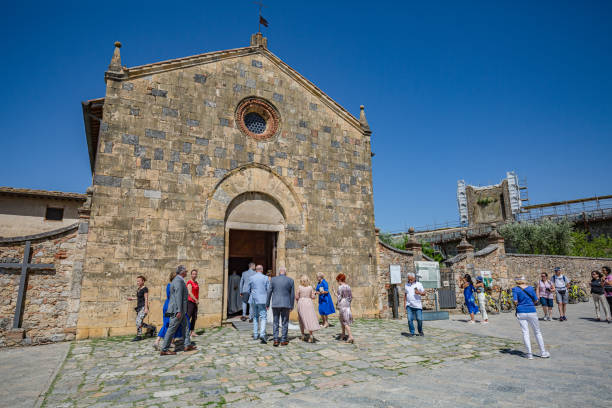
[526, 300]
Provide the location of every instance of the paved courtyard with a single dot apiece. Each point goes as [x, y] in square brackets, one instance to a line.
[454, 364]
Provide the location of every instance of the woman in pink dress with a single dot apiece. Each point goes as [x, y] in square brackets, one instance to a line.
[345, 297]
[306, 310]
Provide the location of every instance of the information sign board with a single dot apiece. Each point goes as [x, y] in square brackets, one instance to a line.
[428, 273]
[396, 274]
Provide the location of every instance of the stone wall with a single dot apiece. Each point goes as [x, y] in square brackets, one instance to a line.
[52, 297]
[574, 267]
[173, 156]
[506, 267]
[387, 256]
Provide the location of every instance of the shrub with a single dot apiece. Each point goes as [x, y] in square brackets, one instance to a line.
[600, 247]
[546, 237]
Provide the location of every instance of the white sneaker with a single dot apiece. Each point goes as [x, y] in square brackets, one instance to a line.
[530, 356]
[545, 354]
[484, 322]
[472, 322]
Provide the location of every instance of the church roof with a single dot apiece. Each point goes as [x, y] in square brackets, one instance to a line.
[92, 109]
[26, 192]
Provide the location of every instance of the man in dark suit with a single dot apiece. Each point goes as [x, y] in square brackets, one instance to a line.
[177, 311]
[281, 294]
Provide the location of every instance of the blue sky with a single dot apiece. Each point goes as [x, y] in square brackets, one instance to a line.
[453, 90]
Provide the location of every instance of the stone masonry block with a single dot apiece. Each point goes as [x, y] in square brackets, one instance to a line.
[139, 151]
[201, 141]
[220, 152]
[159, 92]
[152, 193]
[129, 139]
[204, 160]
[156, 134]
[186, 147]
[159, 154]
[193, 122]
[169, 112]
[109, 181]
[199, 78]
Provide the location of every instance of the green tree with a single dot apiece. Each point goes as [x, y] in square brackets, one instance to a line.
[600, 247]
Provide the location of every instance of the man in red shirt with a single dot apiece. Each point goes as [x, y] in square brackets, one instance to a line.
[192, 301]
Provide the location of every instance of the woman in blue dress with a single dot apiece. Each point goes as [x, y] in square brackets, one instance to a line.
[468, 295]
[162, 331]
[326, 305]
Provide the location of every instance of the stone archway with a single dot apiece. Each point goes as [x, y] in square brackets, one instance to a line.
[253, 197]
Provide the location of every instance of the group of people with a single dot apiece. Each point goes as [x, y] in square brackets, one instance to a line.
[179, 312]
[259, 293]
[527, 297]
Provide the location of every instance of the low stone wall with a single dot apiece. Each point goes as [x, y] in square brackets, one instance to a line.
[506, 267]
[52, 298]
[574, 267]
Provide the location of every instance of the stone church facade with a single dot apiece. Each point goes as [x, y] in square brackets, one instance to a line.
[196, 160]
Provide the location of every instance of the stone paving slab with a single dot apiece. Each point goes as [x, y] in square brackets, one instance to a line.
[231, 368]
[26, 372]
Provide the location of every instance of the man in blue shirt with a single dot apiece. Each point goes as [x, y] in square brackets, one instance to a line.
[258, 291]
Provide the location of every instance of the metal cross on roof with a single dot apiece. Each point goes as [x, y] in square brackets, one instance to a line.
[25, 266]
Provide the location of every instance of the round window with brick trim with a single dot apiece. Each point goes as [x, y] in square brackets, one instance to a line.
[257, 118]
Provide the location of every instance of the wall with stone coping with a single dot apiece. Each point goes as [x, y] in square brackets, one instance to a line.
[506, 267]
[52, 299]
[170, 161]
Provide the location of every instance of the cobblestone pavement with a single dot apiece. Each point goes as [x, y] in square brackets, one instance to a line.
[577, 374]
[455, 364]
[232, 368]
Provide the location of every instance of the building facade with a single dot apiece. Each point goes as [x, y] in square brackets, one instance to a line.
[213, 161]
[25, 212]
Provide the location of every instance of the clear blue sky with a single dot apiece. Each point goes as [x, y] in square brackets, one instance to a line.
[452, 89]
